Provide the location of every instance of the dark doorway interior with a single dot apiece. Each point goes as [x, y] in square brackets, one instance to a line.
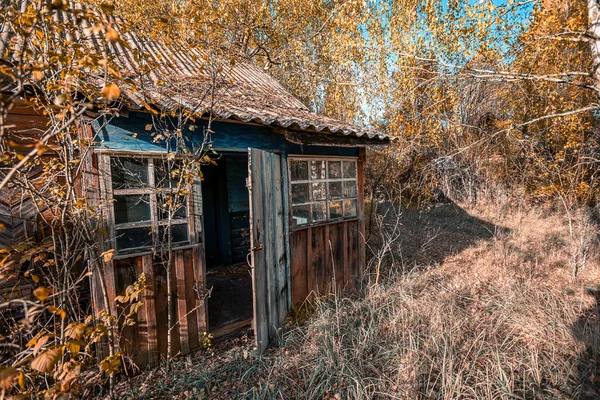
[227, 242]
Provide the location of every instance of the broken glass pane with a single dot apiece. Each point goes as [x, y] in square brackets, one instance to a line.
[300, 215]
[128, 172]
[299, 170]
[349, 169]
[335, 169]
[300, 193]
[132, 208]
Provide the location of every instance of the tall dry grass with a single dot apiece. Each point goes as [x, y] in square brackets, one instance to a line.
[501, 317]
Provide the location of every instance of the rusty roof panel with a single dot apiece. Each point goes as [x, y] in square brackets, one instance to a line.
[197, 80]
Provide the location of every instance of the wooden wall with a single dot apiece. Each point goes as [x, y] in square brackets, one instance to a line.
[146, 341]
[325, 259]
[329, 258]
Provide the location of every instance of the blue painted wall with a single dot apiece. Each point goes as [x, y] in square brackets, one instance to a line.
[129, 133]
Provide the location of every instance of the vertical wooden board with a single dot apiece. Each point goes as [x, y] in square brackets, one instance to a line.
[150, 310]
[298, 253]
[311, 282]
[181, 315]
[345, 255]
[259, 276]
[279, 236]
[286, 227]
[317, 261]
[199, 286]
[336, 255]
[190, 298]
[327, 262]
[270, 248]
[160, 299]
[131, 339]
[354, 249]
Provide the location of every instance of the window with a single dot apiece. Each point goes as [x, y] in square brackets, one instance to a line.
[322, 190]
[143, 196]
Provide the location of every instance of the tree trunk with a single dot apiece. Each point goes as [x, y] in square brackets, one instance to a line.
[594, 31]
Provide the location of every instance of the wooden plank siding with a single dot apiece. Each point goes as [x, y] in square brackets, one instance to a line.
[316, 271]
[146, 341]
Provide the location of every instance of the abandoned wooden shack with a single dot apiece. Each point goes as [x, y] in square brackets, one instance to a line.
[277, 217]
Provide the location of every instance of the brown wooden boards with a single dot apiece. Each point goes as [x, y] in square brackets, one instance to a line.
[268, 244]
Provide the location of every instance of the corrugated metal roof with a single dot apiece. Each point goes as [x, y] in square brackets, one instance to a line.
[169, 76]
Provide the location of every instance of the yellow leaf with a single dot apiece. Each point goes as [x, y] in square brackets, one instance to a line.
[21, 380]
[55, 310]
[73, 347]
[47, 360]
[75, 330]
[42, 293]
[112, 35]
[41, 148]
[149, 127]
[40, 343]
[111, 91]
[108, 255]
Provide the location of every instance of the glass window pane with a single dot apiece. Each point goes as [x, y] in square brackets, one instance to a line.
[350, 189]
[349, 169]
[335, 190]
[299, 170]
[350, 209]
[134, 237]
[317, 170]
[335, 169]
[318, 191]
[319, 212]
[300, 193]
[179, 234]
[128, 172]
[335, 209]
[167, 174]
[132, 208]
[168, 202]
[300, 215]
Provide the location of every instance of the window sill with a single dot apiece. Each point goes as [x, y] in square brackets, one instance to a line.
[149, 252]
[316, 225]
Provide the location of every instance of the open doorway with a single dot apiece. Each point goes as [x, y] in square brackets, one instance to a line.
[227, 242]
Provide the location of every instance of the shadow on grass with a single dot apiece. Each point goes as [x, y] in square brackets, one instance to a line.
[428, 237]
[587, 330]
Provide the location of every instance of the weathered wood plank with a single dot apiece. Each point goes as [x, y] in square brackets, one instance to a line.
[345, 254]
[190, 298]
[280, 264]
[199, 273]
[150, 310]
[299, 267]
[260, 321]
[182, 310]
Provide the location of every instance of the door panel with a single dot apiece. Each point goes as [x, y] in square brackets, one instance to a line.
[267, 240]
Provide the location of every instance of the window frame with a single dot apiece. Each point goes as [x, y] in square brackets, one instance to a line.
[107, 194]
[326, 180]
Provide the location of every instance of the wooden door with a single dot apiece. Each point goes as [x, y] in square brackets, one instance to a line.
[267, 240]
